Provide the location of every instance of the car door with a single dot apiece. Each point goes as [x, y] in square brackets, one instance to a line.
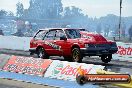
[48, 42]
[37, 39]
[63, 45]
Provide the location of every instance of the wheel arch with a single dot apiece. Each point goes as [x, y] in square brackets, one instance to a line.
[75, 46]
[80, 54]
[39, 47]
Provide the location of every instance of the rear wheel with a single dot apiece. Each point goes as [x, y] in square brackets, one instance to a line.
[106, 58]
[41, 53]
[76, 55]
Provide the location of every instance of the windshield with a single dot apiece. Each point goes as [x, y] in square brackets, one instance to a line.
[73, 33]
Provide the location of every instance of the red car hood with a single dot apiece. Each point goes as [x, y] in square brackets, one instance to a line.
[94, 37]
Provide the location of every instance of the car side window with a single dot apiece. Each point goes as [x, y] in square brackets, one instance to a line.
[72, 33]
[39, 35]
[59, 34]
[50, 35]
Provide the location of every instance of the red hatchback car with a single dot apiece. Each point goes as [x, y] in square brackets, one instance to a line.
[72, 44]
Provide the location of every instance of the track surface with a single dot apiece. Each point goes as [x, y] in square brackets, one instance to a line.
[5, 83]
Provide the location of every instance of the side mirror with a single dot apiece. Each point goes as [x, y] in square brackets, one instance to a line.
[63, 38]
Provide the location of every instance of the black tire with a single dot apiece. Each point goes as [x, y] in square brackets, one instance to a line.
[76, 55]
[80, 79]
[106, 58]
[31, 53]
[41, 53]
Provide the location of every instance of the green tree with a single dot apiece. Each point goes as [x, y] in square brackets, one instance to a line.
[98, 29]
[20, 9]
[54, 8]
[3, 13]
[44, 9]
[10, 13]
[74, 17]
[72, 12]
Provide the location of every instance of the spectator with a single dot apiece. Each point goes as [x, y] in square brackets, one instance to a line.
[1, 32]
[29, 33]
[18, 33]
[130, 33]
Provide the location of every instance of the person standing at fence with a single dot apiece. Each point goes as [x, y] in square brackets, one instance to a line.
[130, 33]
[1, 32]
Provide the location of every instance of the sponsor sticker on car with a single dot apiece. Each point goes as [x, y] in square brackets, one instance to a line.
[57, 47]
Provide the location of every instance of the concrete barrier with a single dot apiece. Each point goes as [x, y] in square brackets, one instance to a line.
[66, 71]
[15, 68]
[27, 65]
[69, 70]
[46, 67]
[124, 52]
[15, 43]
[3, 60]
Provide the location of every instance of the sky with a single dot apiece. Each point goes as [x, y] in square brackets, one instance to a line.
[93, 8]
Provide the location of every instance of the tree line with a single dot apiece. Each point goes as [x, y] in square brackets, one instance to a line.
[51, 13]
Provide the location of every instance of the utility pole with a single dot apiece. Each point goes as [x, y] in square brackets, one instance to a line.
[120, 20]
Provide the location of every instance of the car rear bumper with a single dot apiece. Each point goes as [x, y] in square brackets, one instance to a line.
[98, 51]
